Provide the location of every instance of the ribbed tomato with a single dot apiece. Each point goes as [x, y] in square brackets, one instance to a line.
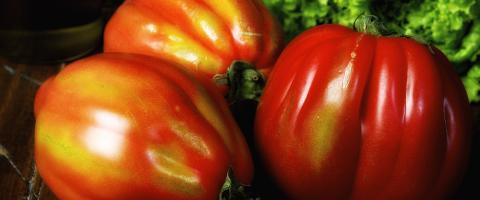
[118, 126]
[205, 36]
[350, 115]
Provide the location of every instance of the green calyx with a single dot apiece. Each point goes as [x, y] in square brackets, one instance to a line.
[233, 190]
[370, 24]
[243, 80]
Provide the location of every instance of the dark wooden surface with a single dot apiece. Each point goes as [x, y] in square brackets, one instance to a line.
[18, 85]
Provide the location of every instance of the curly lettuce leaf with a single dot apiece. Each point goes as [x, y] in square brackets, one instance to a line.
[299, 15]
[449, 24]
[472, 83]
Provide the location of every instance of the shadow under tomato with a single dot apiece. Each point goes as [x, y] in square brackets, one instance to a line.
[469, 187]
[263, 184]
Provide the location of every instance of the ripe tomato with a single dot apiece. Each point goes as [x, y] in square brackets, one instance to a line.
[205, 36]
[349, 115]
[118, 126]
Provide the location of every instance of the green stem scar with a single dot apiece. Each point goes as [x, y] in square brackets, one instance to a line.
[233, 190]
[243, 80]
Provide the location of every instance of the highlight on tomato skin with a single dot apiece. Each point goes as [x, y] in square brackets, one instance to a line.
[204, 36]
[123, 126]
[349, 115]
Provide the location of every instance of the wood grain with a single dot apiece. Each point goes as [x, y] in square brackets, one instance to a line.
[18, 85]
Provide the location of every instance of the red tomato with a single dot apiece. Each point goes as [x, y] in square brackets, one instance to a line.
[117, 126]
[348, 115]
[205, 36]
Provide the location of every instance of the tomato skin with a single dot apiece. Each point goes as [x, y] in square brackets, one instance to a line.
[348, 115]
[205, 36]
[118, 126]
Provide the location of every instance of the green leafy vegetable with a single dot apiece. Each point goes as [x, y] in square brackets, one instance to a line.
[472, 83]
[451, 25]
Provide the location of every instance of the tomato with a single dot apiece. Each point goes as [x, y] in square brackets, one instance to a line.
[118, 126]
[205, 36]
[351, 115]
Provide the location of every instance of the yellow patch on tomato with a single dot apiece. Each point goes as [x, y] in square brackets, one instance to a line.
[205, 23]
[63, 141]
[190, 138]
[321, 127]
[171, 171]
[211, 112]
[240, 22]
[156, 36]
[185, 49]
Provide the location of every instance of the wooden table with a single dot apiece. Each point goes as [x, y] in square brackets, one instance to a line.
[18, 84]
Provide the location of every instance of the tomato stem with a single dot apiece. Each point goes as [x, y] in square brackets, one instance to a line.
[243, 80]
[370, 24]
[233, 190]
